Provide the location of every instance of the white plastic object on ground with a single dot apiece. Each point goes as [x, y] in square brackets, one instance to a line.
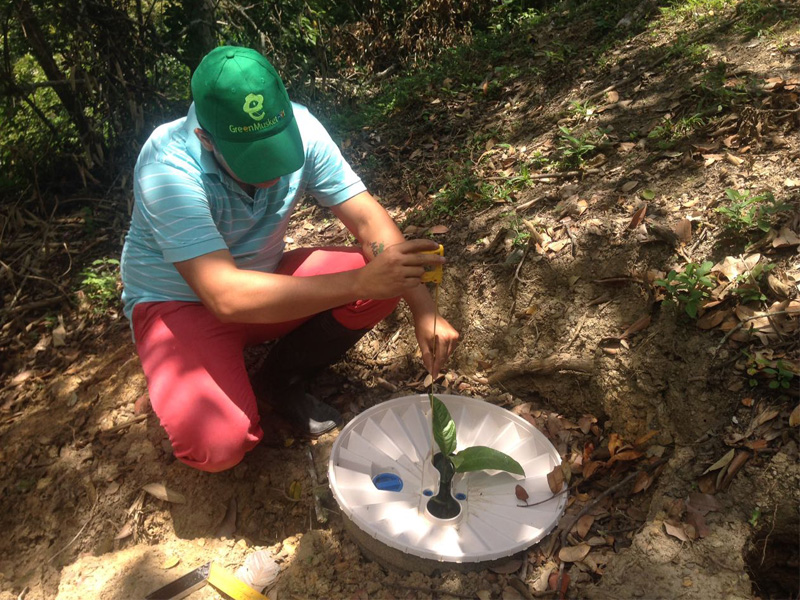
[259, 570]
[395, 438]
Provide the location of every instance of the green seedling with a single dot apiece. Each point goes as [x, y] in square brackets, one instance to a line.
[748, 285]
[747, 212]
[583, 110]
[777, 372]
[575, 147]
[689, 288]
[449, 462]
[100, 283]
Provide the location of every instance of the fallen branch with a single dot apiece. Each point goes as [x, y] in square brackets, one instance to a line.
[557, 175]
[741, 323]
[122, 426]
[80, 531]
[544, 366]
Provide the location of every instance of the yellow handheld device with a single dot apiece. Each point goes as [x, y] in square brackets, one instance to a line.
[433, 273]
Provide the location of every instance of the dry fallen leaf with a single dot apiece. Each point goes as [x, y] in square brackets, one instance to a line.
[637, 326]
[703, 503]
[732, 267]
[643, 481]
[520, 493]
[643, 439]
[439, 229]
[614, 443]
[125, 531]
[734, 160]
[712, 319]
[638, 216]
[20, 378]
[160, 491]
[786, 238]
[736, 464]
[558, 245]
[626, 455]
[722, 462]
[794, 418]
[629, 185]
[574, 553]
[585, 423]
[683, 229]
[583, 525]
[555, 479]
[510, 566]
[676, 531]
[697, 521]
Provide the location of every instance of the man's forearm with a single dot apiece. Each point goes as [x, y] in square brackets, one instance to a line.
[243, 296]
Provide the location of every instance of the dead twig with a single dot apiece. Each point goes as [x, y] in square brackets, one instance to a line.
[312, 470]
[741, 323]
[578, 328]
[517, 279]
[574, 247]
[593, 503]
[124, 425]
[545, 366]
[766, 538]
[80, 531]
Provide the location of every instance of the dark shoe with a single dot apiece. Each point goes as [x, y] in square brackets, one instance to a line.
[305, 413]
[293, 360]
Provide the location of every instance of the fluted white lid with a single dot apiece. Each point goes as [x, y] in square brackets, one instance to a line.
[395, 437]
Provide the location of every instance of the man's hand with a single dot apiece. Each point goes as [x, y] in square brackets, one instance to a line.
[397, 269]
[446, 341]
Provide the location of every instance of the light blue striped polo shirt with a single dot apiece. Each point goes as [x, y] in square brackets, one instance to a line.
[185, 206]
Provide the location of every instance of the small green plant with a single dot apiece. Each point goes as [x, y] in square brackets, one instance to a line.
[583, 110]
[100, 283]
[521, 233]
[689, 288]
[449, 462]
[668, 132]
[577, 147]
[754, 516]
[746, 211]
[748, 285]
[777, 373]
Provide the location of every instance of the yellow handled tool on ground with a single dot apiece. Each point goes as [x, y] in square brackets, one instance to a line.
[210, 573]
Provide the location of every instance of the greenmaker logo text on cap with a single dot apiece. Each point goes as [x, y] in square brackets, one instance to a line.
[242, 103]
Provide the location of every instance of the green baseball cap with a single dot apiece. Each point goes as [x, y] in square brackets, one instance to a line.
[241, 101]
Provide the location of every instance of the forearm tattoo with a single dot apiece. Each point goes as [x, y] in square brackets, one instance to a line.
[377, 248]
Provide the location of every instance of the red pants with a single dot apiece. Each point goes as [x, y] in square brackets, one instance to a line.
[194, 364]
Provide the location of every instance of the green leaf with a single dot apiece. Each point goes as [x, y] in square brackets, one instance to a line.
[691, 310]
[480, 458]
[444, 428]
[648, 194]
[774, 385]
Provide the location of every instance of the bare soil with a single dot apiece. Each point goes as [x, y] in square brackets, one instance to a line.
[552, 289]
